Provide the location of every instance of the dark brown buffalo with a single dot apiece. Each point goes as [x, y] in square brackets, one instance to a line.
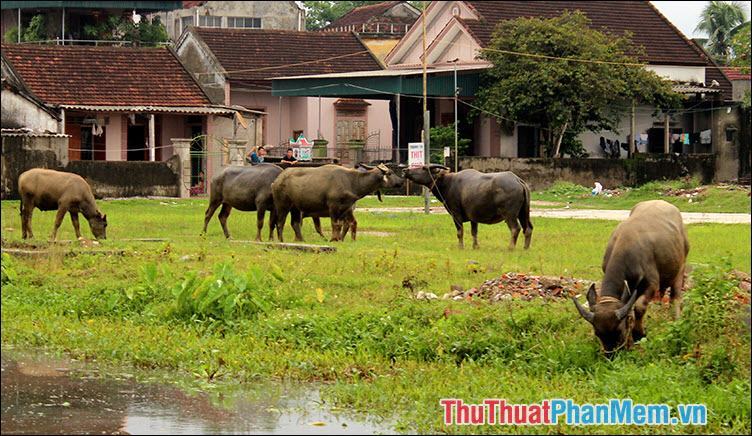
[247, 189]
[326, 191]
[486, 198]
[65, 192]
[646, 254]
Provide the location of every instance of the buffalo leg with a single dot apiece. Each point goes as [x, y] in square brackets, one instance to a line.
[259, 223]
[296, 218]
[460, 233]
[677, 293]
[280, 222]
[317, 225]
[353, 224]
[58, 220]
[272, 222]
[474, 231]
[209, 213]
[515, 229]
[640, 307]
[528, 231]
[224, 213]
[76, 227]
[27, 210]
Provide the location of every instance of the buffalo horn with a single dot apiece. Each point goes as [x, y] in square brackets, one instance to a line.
[624, 310]
[585, 313]
[442, 167]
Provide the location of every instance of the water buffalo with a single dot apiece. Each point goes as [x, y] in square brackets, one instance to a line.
[486, 198]
[61, 191]
[326, 191]
[247, 189]
[646, 253]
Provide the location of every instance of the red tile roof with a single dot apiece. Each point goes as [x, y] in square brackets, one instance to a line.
[370, 13]
[735, 73]
[663, 43]
[189, 4]
[252, 56]
[114, 76]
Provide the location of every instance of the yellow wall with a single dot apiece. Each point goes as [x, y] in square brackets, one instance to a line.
[380, 47]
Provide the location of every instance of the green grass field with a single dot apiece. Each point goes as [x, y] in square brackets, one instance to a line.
[202, 305]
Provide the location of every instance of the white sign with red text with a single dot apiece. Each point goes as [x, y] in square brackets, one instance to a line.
[416, 154]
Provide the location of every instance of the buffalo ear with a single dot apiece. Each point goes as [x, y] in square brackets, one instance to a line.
[591, 297]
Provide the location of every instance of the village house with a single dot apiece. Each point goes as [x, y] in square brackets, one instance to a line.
[234, 66]
[121, 104]
[65, 22]
[740, 82]
[380, 26]
[456, 32]
[281, 15]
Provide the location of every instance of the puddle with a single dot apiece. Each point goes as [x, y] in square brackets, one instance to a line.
[42, 394]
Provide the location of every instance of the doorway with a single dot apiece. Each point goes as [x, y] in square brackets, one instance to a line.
[137, 142]
[527, 141]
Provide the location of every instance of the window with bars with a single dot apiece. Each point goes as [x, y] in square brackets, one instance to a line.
[350, 130]
[244, 22]
[209, 21]
[185, 22]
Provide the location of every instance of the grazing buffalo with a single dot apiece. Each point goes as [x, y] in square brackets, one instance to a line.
[246, 189]
[326, 191]
[61, 191]
[486, 198]
[646, 253]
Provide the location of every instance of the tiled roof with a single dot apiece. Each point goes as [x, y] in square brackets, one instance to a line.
[79, 75]
[365, 14]
[252, 56]
[663, 43]
[735, 73]
[189, 4]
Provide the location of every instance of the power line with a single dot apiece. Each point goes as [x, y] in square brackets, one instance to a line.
[251, 70]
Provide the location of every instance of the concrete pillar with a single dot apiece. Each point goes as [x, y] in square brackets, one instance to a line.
[182, 147]
[237, 151]
[666, 135]
[152, 136]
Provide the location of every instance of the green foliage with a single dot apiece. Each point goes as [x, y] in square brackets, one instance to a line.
[11, 35]
[7, 271]
[115, 28]
[740, 47]
[709, 332]
[443, 136]
[225, 295]
[561, 96]
[718, 21]
[322, 13]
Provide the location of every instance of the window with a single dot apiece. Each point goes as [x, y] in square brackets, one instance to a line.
[350, 130]
[186, 21]
[244, 22]
[209, 21]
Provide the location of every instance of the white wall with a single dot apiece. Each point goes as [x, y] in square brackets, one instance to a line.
[114, 141]
[19, 111]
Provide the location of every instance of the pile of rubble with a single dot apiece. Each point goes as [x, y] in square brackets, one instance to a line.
[515, 286]
[687, 193]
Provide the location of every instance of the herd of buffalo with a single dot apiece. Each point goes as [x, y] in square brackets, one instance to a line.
[645, 255]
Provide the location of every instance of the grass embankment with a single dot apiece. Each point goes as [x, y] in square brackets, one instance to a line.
[721, 198]
[205, 306]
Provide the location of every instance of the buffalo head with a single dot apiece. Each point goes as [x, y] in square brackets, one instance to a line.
[612, 318]
[98, 225]
[426, 175]
[390, 178]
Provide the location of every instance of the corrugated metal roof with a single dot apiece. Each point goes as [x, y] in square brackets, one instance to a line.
[32, 133]
[200, 110]
[695, 89]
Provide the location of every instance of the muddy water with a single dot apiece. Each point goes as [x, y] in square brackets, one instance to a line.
[46, 395]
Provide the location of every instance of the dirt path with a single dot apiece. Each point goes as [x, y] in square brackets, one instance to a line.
[591, 214]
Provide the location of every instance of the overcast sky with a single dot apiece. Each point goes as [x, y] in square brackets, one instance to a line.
[686, 15]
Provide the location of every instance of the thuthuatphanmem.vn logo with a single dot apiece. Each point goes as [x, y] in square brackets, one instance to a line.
[563, 411]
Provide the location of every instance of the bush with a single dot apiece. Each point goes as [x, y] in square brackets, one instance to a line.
[225, 295]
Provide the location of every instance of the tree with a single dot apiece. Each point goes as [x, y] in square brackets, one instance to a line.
[566, 98]
[443, 136]
[116, 28]
[320, 14]
[740, 50]
[718, 19]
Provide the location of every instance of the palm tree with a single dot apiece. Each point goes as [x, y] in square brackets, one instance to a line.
[718, 19]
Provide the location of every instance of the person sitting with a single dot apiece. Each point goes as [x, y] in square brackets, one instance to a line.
[256, 156]
[289, 158]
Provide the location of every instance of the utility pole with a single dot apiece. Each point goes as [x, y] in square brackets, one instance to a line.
[426, 114]
[456, 124]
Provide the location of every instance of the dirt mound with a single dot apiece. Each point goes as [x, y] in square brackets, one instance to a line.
[688, 193]
[522, 286]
